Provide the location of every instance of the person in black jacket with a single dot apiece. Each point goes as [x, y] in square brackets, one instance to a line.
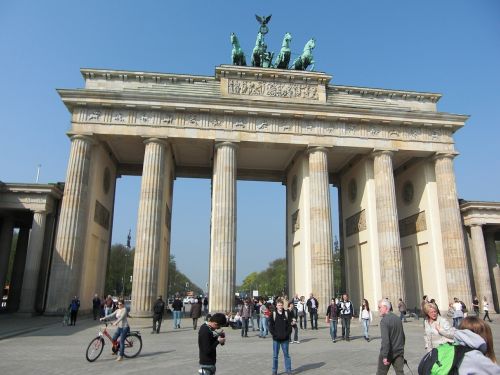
[158, 309]
[177, 308]
[346, 313]
[208, 339]
[280, 328]
[312, 307]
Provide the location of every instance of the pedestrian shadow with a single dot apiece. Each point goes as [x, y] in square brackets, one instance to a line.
[306, 340]
[309, 366]
[151, 354]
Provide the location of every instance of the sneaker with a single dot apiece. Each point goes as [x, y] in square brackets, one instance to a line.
[334, 341]
[119, 358]
[297, 342]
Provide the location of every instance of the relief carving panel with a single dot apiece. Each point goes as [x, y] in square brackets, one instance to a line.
[412, 224]
[273, 89]
[355, 223]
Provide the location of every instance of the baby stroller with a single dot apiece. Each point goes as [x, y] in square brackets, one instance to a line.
[66, 317]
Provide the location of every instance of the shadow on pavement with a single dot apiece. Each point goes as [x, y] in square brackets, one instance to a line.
[309, 366]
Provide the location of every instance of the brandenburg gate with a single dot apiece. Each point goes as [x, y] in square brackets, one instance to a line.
[390, 154]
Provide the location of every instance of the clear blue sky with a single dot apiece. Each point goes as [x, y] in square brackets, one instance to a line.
[449, 47]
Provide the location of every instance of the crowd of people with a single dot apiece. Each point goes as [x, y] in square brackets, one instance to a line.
[283, 319]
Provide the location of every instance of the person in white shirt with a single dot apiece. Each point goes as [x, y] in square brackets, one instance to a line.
[365, 317]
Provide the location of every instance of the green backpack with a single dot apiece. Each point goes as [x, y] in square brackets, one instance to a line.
[445, 359]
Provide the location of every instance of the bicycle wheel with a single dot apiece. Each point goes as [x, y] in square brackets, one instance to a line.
[133, 345]
[94, 349]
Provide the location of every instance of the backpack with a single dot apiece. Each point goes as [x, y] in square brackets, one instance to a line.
[445, 359]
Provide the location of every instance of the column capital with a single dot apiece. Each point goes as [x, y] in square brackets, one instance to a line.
[220, 143]
[89, 137]
[160, 141]
[313, 148]
[380, 151]
[445, 155]
[476, 225]
[40, 211]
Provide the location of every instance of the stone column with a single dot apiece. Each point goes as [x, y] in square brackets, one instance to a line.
[6, 233]
[389, 242]
[480, 267]
[320, 227]
[32, 266]
[70, 240]
[457, 276]
[16, 281]
[149, 222]
[223, 231]
[493, 268]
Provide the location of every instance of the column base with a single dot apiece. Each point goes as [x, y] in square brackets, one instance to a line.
[141, 314]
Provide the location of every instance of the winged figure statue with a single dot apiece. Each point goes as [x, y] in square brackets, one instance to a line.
[263, 20]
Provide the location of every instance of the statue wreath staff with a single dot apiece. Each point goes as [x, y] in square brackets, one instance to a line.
[263, 20]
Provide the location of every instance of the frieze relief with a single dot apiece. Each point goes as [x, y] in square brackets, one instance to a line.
[272, 89]
[412, 224]
[206, 120]
[355, 223]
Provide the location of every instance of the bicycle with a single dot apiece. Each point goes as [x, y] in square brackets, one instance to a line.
[133, 344]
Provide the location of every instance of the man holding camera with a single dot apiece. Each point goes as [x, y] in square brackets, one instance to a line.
[208, 339]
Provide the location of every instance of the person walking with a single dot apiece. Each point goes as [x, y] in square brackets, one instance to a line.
[312, 307]
[475, 305]
[120, 314]
[332, 318]
[176, 310]
[108, 305]
[292, 314]
[486, 308]
[158, 309]
[302, 312]
[458, 314]
[208, 340]
[365, 317]
[264, 316]
[96, 306]
[402, 310]
[280, 328]
[393, 340]
[346, 313]
[195, 312]
[246, 314]
[74, 306]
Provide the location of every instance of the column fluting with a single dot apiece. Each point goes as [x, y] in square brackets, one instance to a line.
[457, 275]
[389, 242]
[70, 240]
[223, 229]
[149, 222]
[320, 227]
[32, 265]
[480, 264]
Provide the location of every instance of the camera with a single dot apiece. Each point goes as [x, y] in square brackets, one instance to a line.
[222, 334]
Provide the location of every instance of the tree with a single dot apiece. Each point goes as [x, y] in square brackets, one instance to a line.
[271, 281]
[120, 268]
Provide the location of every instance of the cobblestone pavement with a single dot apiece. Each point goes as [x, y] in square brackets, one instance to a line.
[42, 345]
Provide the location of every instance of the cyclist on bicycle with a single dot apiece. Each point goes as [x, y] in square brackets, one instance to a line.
[120, 314]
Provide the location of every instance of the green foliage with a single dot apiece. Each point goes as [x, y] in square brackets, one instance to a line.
[121, 267]
[271, 281]
[178, 283]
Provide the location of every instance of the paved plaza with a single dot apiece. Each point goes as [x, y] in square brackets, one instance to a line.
[42, 345]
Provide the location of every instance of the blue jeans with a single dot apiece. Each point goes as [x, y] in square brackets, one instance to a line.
[333, 328]
[276, 351]
[457, 321]
[366, 325]
[263, 327]
[122, 332]
[177, 318]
